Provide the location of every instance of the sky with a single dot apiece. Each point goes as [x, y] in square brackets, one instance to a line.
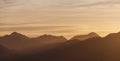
[59, 17]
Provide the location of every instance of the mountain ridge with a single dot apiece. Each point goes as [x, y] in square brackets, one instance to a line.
[92, 49]
[20, 42]
[84, 37]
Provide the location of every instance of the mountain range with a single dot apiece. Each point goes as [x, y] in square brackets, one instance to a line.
[60, 49]
[93, 49]
[19, 42]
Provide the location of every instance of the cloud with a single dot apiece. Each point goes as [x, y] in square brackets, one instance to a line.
[54, 3]
[2, 24]
[113, 2]
[11, 3]
[6, 24]
[35, 28]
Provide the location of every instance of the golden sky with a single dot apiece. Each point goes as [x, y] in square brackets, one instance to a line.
[66, 17]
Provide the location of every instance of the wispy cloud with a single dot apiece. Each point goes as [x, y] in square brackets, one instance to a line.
[9, 3]
[113, 2]
[55, 3]
[6, 24]
[35, 28]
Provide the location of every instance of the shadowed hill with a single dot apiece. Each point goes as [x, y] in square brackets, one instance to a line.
[50, 38]
[6, 54]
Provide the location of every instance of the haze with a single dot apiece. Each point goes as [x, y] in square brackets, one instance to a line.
[66, 17]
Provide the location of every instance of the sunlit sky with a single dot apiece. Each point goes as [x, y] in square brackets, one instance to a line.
[59, 17]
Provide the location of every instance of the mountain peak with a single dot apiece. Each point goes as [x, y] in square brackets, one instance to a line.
[113, 35]
[46, 36]
[84, 37]
[15, 35]
[51, 37]
[94, 34]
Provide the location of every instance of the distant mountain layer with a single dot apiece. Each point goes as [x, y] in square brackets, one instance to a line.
[84, 37]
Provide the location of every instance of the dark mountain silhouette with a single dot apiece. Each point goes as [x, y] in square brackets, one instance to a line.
[13, 37]
[14, 40]
[21, 42]
[84, 37]
[93, 49]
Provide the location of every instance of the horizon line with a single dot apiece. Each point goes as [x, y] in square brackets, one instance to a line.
[56, 35]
